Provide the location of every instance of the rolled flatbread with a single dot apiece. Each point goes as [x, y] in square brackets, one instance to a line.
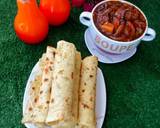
[33, 94]
[60, 106]
[42, 102]
[87, 93]
[76, 86]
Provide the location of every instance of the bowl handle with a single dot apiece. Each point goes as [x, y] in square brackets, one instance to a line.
[150, 35]
[85, 18]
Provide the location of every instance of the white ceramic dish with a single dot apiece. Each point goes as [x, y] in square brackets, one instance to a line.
[109, 45]
[101, 97]
[103, 56]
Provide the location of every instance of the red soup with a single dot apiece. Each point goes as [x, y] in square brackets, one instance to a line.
[119, 21]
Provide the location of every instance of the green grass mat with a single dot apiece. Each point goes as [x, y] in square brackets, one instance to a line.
[133, 86]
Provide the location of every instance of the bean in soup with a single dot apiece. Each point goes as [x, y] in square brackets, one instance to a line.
[119, 21]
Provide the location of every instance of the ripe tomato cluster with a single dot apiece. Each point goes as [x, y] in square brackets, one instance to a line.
[31, 23]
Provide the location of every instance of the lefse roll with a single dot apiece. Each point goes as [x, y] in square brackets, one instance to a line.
[60, 107]
[42, 102]
[87, 93]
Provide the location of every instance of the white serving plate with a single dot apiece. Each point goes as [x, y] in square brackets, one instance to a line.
[101, 97]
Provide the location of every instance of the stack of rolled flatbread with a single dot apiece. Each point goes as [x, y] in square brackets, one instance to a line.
[63, 94]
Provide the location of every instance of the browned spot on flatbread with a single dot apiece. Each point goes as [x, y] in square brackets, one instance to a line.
[46, 79]
[72, 75]
[33, 88]
[50, 90]
[50, 68]
[30, 109]
[52, 100]
[85, 83]
[51, 62]
[35, 100]
[54, 53]
[67, 99]
[85, 105]
[90, 76]
[92, 69]
[91, 99]
[47, 102]
[47, 59]
[41, 92]
[83, 90]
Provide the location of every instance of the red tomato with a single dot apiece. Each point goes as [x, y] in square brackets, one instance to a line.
[30, 26]
[56, 11]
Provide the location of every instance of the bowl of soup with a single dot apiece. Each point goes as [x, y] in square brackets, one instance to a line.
[117, 26]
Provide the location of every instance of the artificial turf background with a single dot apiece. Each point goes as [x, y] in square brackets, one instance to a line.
[133, 86]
